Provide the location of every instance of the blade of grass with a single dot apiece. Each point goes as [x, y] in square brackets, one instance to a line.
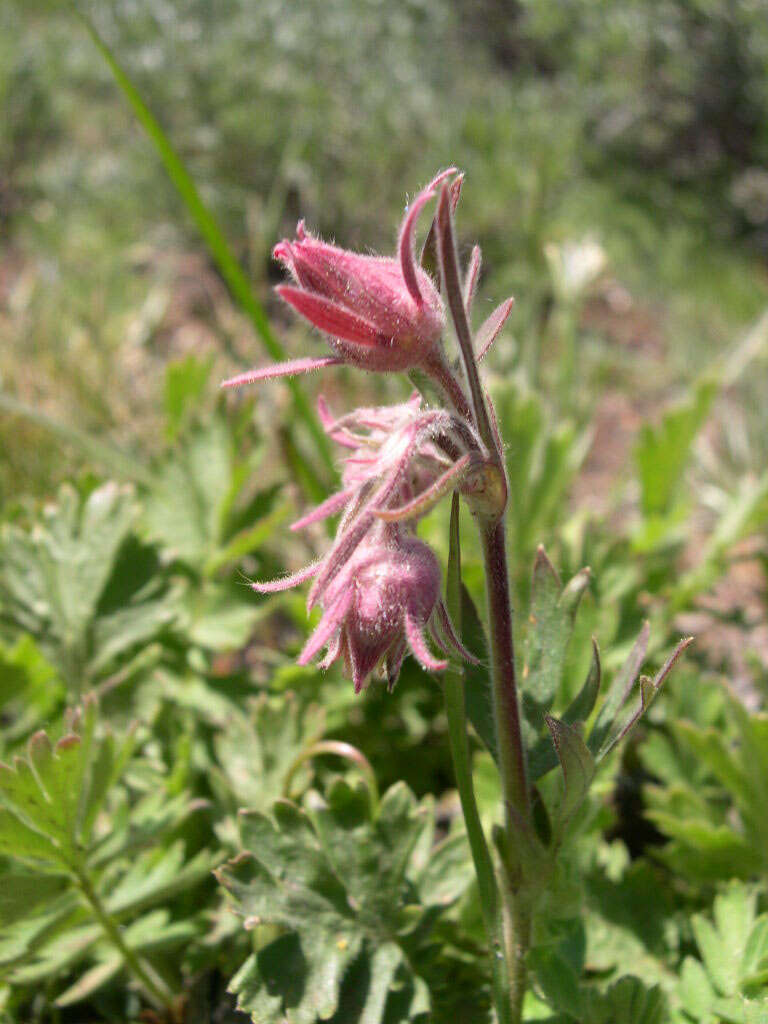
[123, 464]
[208, 226]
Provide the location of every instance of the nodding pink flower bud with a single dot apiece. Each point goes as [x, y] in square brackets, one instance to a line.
[379, 606]
[379, 313]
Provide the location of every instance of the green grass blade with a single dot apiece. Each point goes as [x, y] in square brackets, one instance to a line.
[121, 463]
[209, 228]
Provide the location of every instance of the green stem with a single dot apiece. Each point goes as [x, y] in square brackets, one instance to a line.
[517, 938]
[511, 753]
[155, 989]
[339, 749]
[455, 709]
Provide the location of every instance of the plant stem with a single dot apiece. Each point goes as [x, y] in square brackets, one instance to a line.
[441, 373]
[506, 712]
[517, 937]
[505, 704]
[512, 767]
[155, 989]
[455, 709]
[454, 293]
[339, 749]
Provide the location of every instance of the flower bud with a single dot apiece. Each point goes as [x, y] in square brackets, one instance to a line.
[380, 606]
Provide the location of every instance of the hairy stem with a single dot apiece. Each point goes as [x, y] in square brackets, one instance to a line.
[443, 375]
[154, 987]
[456, 713]
[505, 703]
[517, 937]
[512, 767]
[454, 294]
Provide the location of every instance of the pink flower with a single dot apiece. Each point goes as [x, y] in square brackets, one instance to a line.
[379, 606]
[378, 585]
[379, 313]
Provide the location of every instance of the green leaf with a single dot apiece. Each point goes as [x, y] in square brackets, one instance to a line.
[578, 767]
[619, 690]
[157, 876]
[695, 991]
[220, 620]
[186, 381]
[22, 894]
[723, 944]
[557, 979]
[76, 581]
[29, 687]
[209, 229]
[550, 624]
[447, 874]
[184, 508]
[338, 883]
[255, 752]
[49, 794]
[662, 452]
[542, 757]
[584, 702]
[628, 1000]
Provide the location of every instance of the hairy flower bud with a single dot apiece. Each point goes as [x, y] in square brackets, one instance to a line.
[379, 607]
[380, 313]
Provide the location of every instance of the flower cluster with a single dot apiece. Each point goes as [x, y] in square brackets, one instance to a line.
[378, 584]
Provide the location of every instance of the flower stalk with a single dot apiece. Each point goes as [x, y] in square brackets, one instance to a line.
[378, 584]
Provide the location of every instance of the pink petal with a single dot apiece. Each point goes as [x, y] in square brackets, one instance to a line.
[490, 329]
[364, 658]
[341, 437]
[329, 507]
[332, 653]
[286, 369]
[327, 626]
[394, 662]
[331, 317]
[419, 647]
[274, 586]
[339, 555]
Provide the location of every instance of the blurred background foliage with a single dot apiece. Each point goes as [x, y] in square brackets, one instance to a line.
[616, 155]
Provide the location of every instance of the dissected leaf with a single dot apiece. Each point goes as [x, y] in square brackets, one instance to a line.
[72, 583]
[338, 882]
[628, 1000]
[256, 751]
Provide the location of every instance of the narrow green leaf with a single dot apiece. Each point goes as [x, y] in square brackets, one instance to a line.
[620, 689]
[661, 452]
[577, 763]
[477, 677]
[550, 624]
[209, 228]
